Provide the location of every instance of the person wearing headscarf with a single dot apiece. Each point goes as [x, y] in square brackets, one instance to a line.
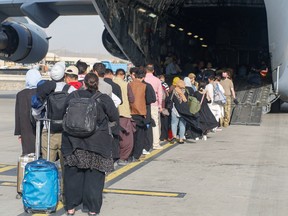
[190, 134]
[188, 86]
[176, 119]
[174, 82]
[24, 129]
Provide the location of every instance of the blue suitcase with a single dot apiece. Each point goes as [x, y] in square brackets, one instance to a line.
[40, 183]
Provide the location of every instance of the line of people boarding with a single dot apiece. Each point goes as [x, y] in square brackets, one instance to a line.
[132, 119]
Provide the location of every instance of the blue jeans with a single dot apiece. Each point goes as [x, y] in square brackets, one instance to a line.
[175, 122]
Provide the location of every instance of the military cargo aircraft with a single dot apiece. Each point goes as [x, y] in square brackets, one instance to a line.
[227, 32]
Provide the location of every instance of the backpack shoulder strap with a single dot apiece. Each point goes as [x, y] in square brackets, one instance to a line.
[217, 84]
[76, 94]
[202, 98]
[172, 95]
[66, 88]
[186, 90]
[96, 95]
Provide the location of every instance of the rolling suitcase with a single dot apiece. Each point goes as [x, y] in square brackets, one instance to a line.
[40, 183]
[22, 161]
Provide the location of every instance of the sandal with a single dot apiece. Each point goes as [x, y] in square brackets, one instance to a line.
[173, 140]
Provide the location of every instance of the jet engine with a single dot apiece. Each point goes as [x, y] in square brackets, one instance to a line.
[22, 42]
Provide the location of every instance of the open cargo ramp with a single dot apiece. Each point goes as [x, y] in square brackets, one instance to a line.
[253, 102]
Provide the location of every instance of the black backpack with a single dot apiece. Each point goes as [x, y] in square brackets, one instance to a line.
[56, 108]
[80, 119]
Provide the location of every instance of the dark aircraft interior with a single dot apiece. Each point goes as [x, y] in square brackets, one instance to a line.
[224, 32]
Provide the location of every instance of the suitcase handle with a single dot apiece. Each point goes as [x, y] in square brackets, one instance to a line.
[38, 137]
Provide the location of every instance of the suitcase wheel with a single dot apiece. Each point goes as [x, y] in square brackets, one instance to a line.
[29, 211]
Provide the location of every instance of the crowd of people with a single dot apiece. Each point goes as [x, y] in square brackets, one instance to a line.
[133, 116]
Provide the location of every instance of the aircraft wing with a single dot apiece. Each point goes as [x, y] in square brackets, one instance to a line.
[44, 12]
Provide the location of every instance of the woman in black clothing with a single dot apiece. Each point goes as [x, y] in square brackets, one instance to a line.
[86, 160]
[23, 128]
[207, 119]
[191, 133]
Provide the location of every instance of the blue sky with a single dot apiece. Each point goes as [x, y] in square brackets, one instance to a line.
[77, 33]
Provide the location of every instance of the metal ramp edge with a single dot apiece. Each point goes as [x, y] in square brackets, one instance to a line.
[252, 104]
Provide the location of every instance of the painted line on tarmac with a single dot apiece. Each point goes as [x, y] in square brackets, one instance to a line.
[145, 193]
[5, 168]
[124, 171]
[117, 191]
[119, 174]
[8, 183]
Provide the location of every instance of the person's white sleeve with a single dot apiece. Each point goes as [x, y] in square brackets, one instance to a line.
[210, 93]
[116, 100]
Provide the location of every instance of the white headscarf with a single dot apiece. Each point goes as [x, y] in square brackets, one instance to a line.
[33, 76]
[187, 82]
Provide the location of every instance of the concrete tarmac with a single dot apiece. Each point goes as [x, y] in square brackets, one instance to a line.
[240, 171]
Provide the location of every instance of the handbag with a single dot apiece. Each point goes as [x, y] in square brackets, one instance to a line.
[219, 97]
[193, 103]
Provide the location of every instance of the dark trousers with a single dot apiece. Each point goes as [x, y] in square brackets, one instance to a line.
[115, 148]
[164, 127]
[126, 140]
[148, 138]
[83, 186]
[140, 140]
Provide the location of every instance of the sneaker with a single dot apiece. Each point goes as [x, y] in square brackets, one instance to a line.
[157, 147]
[181, 142]
[204, 137]
[135, 159]
[122, 162]
[144, 152]
[218, 129]
[197, 138]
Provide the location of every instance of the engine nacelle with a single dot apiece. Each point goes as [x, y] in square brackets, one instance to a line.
[111, 46]
[22, 42]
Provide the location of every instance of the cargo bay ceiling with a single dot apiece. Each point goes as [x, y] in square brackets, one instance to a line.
[226, 32]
